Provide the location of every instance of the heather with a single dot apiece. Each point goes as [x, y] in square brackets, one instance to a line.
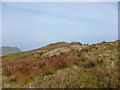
[63, 65]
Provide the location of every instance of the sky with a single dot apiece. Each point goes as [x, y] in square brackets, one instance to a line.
[31, 25]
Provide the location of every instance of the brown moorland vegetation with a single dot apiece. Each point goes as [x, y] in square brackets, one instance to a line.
[63, 65]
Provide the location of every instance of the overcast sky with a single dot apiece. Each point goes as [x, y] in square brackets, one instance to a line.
[33, 25]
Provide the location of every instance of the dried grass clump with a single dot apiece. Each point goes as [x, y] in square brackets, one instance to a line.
[107, 77]
[73, 77]
[55, 52]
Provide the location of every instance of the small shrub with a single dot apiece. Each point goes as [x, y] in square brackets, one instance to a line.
[13, 80]
[49, 73]
[76, 43]
[94, 62]
[89, 64]
[58, 68]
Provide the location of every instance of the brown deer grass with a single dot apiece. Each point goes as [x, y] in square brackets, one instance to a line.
[24, 70]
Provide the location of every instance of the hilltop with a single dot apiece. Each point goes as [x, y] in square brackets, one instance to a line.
[63, 65]
[8, 50]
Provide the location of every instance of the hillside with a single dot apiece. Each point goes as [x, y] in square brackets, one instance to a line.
[8, 50]
[63, 65]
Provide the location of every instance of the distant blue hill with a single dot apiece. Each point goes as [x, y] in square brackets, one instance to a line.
[8, 50]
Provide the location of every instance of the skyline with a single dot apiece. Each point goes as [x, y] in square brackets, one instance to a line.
[33, 25]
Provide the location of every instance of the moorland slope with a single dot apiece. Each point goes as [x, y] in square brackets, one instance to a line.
[63, 65]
